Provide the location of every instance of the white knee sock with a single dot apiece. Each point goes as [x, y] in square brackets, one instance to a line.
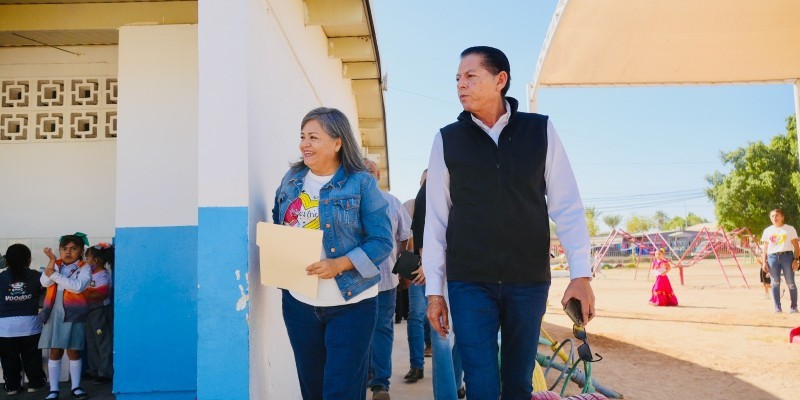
[75, 367]
[54, 373]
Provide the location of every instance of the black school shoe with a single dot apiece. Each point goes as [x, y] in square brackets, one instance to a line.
[102, 380]
[414, 374]
[79, 393]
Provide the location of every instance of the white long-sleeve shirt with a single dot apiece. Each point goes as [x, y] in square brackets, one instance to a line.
[564, 206]
[69, 277]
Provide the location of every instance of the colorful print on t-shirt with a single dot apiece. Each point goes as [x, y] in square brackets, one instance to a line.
[778, 238]
[303, 212]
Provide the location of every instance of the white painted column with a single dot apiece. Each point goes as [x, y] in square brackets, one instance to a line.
[156, 214]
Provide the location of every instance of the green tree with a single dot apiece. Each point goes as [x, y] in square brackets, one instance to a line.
[612, 220]
[591, 219]
[637, 224]
[693, 219]
[674, 224]
[762, 177]
[659, 218]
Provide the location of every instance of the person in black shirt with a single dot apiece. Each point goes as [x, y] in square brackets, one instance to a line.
[19, 328]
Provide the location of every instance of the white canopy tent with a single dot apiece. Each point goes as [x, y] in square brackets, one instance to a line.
[670, 42]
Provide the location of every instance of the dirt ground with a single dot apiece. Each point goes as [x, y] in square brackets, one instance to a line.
[719, 343]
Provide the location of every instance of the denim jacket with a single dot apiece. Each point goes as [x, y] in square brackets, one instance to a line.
[354, 219]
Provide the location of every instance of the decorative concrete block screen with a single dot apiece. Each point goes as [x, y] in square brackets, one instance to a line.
[58, 109]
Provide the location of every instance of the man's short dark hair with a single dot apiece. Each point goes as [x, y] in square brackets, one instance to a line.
[494, 60]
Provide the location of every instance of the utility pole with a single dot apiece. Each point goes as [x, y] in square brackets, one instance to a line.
[685, 217]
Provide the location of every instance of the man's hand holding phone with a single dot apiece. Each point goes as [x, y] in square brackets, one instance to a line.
[574, 312]
[580, 291]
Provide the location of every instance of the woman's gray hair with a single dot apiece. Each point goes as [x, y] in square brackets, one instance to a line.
[336, 125]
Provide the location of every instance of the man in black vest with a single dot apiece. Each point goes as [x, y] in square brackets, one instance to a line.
[494, 178]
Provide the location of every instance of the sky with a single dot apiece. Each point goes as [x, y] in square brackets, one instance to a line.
[634, 151]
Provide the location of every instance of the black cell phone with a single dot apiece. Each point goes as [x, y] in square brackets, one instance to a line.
[574, 311]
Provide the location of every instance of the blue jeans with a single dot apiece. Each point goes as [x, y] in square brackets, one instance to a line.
[417, 311]
[331, 346]
[446, 366]
[458, 371]
[479, 310]
[380, 366]
[778, 263]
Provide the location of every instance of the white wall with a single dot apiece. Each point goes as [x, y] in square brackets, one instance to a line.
[50, 189]
[223, 105]
[157, 158]
[289, 73]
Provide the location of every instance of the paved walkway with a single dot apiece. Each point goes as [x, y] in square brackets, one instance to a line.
[399, 389]
[96, 392]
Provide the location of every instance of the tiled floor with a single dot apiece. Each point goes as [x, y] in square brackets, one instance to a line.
[96, 392]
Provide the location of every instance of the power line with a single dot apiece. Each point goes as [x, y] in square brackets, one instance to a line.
[424, 95]
[620, 207]
[644, 200]
[656, 194]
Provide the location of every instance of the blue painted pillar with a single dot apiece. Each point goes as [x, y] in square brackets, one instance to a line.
[223, 348]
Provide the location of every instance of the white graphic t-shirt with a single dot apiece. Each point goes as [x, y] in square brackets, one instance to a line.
[779, 239]
[303, 212]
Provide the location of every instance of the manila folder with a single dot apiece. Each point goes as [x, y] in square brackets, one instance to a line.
[285, 252]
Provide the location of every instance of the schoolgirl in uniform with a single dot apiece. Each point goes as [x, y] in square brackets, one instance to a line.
[65, 311]
[98, 325]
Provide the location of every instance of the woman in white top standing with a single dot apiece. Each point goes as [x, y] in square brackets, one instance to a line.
[781, 253]
[331, 189]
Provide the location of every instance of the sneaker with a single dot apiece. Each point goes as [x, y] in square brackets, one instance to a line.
[793, 310]
[35, 388]
[379, 393]
[414, 374]
[11, 392]
[79, 394]
[778, 311]
[428, 351]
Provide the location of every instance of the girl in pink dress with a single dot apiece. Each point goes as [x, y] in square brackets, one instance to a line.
[662, 289]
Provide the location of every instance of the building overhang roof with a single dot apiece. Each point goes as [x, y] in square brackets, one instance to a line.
[351, 38]
[347, 24]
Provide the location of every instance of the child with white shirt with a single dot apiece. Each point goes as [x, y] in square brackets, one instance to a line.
[65, 310]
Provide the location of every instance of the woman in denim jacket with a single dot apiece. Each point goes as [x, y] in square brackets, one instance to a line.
[331, 189]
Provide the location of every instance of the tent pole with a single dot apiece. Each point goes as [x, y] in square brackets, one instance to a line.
[533, 97]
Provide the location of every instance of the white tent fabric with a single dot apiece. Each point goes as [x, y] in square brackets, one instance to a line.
[670, 42]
